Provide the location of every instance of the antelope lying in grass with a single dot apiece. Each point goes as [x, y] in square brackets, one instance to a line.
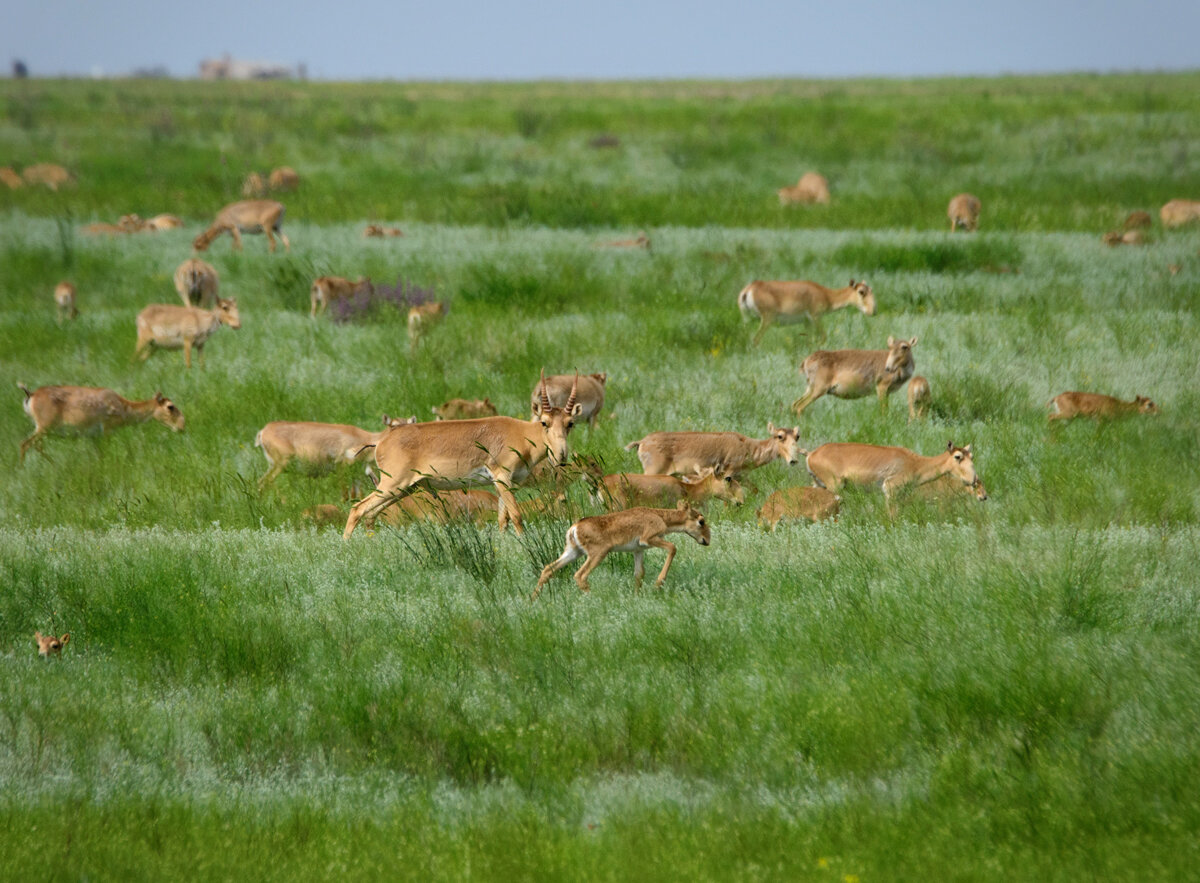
[948, 489]
[812, 187]
[327, 289]
[919, 398]
[49, 174]
[796, 503]
[890, 468]
[667, 453]
[170, 327]
[963, 211]
[788, 302]
[164, 222]
[283, 178]
[247, 216]
[317, 444]
[91, 409]
[49, 645]
[1137, 221]
[631, 530]
[639, 241]
[1068, 405]
[852, 374]
[374, 230]
[11, 179]
[625, 489]
[421, 319]
[461, 409]
[64, 301]
[197, 283]
[590, 394]
[1178, 212]
[452, 453]
[1129, 237]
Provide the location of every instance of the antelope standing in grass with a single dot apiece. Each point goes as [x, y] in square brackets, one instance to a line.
[374, 230]
[787, 302]
[919, 397]
[852, 374]
[889, 468]
[327, 289]
[812, 187]
[64, 301]
[625, 489]
[452, 453]
[50, 645]
[590, 394]
[460, 409]
[91, 409]
[171, 327]
[796, 503]
[667, 453]
[421, 319]
[630, 530]
[197, 283]
[1067, 405]
[247, 216]
[316, 444]
[1178, 212]
[963, 211]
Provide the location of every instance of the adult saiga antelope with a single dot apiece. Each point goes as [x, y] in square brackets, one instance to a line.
[852, 374]
[171, 327]
[681, 453]
[247, 216]
[812, 187]
[452, 453]
[787, 302]
[87, 408]
[1178, 212]
[316, 444]
[421, 318]
[590, 394]
[889, 468]
[1067, 405]
[197, 283]
[630, 530]
[64, 301]
[327, 289]
[624, 489]
[963, 211]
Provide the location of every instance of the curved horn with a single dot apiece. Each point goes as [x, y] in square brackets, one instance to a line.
[571, 399]
[542, 389]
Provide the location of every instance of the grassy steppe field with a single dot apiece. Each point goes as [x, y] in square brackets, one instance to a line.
[998, 690]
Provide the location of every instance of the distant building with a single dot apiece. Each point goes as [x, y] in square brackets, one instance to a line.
[227, 68]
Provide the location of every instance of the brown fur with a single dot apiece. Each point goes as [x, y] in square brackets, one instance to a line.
[889, 468]
[421, 319]
[170, 327]
[625, 489]
[452, 453]
[374, 230]
[247, 216]
[683, 453]
[631, 530]
[1178, 212]
[197, 283]
[787, 302]
[919, 397]
[164, 222]
[590, 393]
[316, 444]
[460, 409]
[963, 211]
[11, 179]
[87, 408]
[48, 174]
[948, 490]
[254, 185]
[49, 645]
[852, 374]
[327, 289]
[1129, 237]
[283, 179]
[64, 301]
[796, 503]
[811, 187]
[1068, 405]
[1138, 221]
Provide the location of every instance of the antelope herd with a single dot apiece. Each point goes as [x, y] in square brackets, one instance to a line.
[422, 471]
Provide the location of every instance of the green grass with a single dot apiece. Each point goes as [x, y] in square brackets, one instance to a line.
[1004, 690]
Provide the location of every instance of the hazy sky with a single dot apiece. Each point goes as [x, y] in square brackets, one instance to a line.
[606, 39]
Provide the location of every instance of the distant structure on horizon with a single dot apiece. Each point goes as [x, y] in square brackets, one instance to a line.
[227, 68]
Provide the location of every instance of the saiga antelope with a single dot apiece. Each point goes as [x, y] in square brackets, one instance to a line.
[197, 283]
[681, 453]
[49, 645]
[812, 187]
[963, 211]
[1067, 405]
[316, 444]
[787, 302]
[64, 301]
[421, 318]
[630, 530]
[625, 489]
[247, 216]
[919, 398]
[459, 409]
[889, 468]
[452, 453]
[171, 327]
[327, 289]
[852, 374]
[1178, 212]
[590, 394]
[85, 408]
[283, 178]
[793, 503]
[375, 230]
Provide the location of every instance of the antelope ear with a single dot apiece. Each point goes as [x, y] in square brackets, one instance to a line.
[851, 283]
[487, 401]
[891, 341]
[796, 431]
[682, 506]
[577, 410]
[159, 397]
[912, 342]
[770, 428]
[66, 639]
[37, 636]
[968, 450]
[950, 445]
